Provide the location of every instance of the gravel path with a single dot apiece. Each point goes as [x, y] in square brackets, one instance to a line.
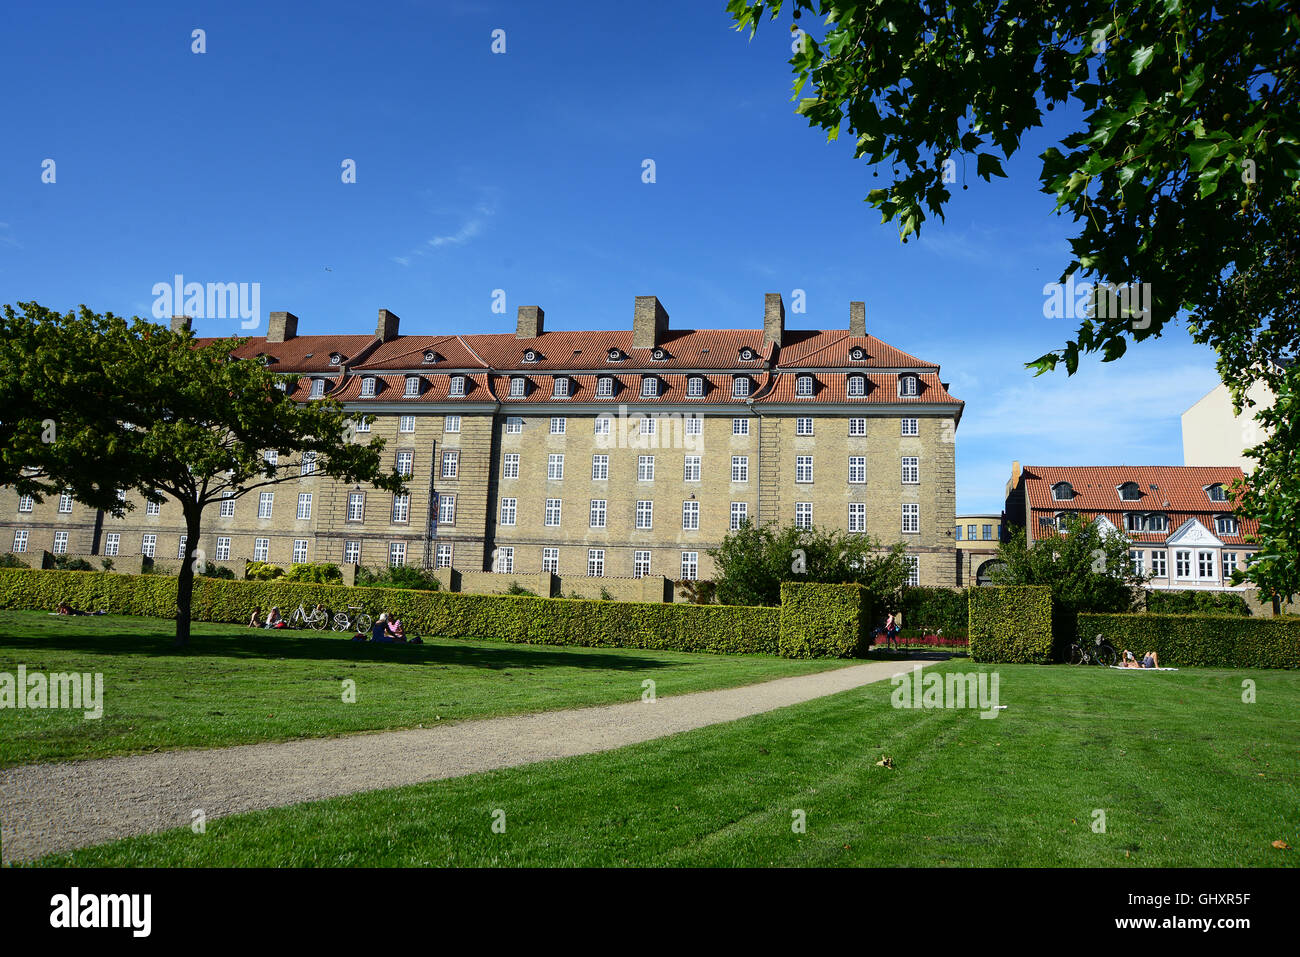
[48, 808]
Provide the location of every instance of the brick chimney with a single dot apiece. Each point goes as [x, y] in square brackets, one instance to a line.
[283, 326]
[857, 318]
[529, 325]
[649, 322]
[773, 318]
[386, 331]
[180, 323]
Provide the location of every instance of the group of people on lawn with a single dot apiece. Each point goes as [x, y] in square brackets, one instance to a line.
[385, 627]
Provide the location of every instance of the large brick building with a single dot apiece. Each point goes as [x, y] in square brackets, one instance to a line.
[621, 453]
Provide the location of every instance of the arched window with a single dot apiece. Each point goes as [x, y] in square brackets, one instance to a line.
[457, 385]
[412, 385]
[908, 385]
[518, 386]
[740, 386]
[1062, 492]
[803, 385]
[1130, 492]
[368, 387]
[857, 386]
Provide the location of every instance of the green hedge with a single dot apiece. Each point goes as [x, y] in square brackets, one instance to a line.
[1196, 602]
[1207, 641]
[824, 621]
[1011, 624]
[931, 608]
[722, 629]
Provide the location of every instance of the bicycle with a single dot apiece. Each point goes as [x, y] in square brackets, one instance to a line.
[316, 619]
[358, 622]
[1101, 653]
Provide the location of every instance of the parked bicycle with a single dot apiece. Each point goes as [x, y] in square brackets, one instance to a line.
[316, 619]
[354, 618]
[1100, 652]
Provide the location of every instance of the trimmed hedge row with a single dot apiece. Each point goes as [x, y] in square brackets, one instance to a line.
[1011, 624]
[721, 629]
[824, 621]
[1207, 641]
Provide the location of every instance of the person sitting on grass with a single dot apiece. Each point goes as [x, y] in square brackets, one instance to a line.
[256, 620]
[379, 630]
[274, 620]
[395, 629]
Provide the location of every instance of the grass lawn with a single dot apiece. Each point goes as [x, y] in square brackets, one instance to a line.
[1186, 773]
[235, 685]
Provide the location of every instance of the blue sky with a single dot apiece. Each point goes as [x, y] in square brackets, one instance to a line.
[522, 171]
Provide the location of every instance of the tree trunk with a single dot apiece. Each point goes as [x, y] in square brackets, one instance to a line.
[185, 579]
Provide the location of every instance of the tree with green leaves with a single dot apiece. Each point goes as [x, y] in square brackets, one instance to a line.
[1087, 567]
[1179, 166]
[103, 407]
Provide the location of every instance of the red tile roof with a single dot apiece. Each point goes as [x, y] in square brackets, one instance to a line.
[882, 387]
[301, 353]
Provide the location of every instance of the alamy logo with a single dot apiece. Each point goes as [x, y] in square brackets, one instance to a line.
[1086, 300]
[215, 300]
[953, 689]
[77, 692]
[75, 909]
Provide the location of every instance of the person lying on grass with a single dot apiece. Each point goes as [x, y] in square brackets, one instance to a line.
[66, 609]
[1149, 660]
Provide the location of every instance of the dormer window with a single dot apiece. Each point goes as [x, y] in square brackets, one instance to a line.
[1063, 520]
[412, 386]
[908, 385]
[747, 354]
[336, 359]
[604, 387]
[368, 387]
[1226, 525]
[649, 387]
[457, 386]
[803, 386]
[616, 355]
[659, 354]
[740, 387]
[857, 354]
[317, 388]
[1062, 491]
[561, 388]
[1146, 522]
[1130, 492]
[282, 386]
[695, 386]
[431, 357]
[857, 386]
[1216, 492]
[530, 355]
[517, 387]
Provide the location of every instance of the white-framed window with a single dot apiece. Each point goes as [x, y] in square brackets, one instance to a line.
[26, 503]
[363, 425]
[645, 468]
[180, 546]
[227, 509]
[508, 511]
[113, 541]
[450, 463]
[857, 469]
[1229, 563]
[265, 501]
[61, 544]
[1183, 564]
[599, 468]
[451, 423]
[690, 516]
[555, 466]
[1226, 525]
[694, 425]
[406, 463]
[911, 427]
[1216, 493]
[510, 465]
[740, 426]
[396, 554]
[368, 387]
[857, 517]
[740, 387]
[690, 566]
[356, 506]
[65, 502]
[803, 514]
[504, 560]
[1135, 560]
[803, 426]
[907, 385]
[647, 426]
[694, 387]
[913, 569]
[557, 425]
[308, 463]
[518, 387]
[597, 513]
[740, 468]
[446, 510]
[412, 386]
[261, 549]
[803, 386]
[560, 388]
[20, 541]
[152, 508]
[457, 389]
[442, 557]
[911, 470]
[401, 508]
[514, 425]
[803, 468]
[406, 423]
[739, 514]
[640, 564]
[551, 560]
[299, 551]
[1206, 565]
[553, 508]
[604, 387]
[317, 388]
[304, 505]
[911, 517]
[148, 545]
[649, 387]
[596, 562]
[645, 514]
[223, 548]
[602, 425]
[692, 470]
[857, 386]
[857, 427]
[352, 553]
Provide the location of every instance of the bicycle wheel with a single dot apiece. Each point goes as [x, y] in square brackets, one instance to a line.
[1076, 655]
[1106, 656]
[364, 622]
[341, 622]
[319, 620]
